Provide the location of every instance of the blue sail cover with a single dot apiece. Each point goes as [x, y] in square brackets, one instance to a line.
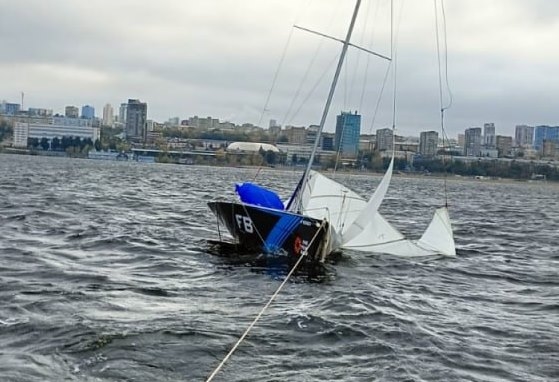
[251, 193]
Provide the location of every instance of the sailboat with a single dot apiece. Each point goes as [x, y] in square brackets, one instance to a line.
[324, 216]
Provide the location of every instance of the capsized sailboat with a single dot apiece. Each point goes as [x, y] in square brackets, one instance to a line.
[324, 216]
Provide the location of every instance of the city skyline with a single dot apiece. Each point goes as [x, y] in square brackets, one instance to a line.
[206, 59]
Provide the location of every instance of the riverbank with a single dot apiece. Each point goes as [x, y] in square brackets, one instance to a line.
[397, 174]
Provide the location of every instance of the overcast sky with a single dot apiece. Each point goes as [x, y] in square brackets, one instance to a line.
[219, 57]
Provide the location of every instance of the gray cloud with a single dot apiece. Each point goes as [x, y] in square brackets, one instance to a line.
[218, 58]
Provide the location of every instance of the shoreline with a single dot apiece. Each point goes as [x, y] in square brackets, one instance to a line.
[396, 174]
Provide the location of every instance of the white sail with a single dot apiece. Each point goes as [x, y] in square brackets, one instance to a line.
[379, 236]
[358, 225]
[324, 198]
[438, 235]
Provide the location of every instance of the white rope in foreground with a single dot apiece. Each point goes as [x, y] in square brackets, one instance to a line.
[249, 328]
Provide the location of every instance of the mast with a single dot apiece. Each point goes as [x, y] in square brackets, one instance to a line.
[327, 105]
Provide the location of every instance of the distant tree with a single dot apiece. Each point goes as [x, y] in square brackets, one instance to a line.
[271, 157]
[77, 142]
[98, 145]
[65, 143]
[33, 142]
[55, 144]
[5, 129]
[45, 143]
[87, 142]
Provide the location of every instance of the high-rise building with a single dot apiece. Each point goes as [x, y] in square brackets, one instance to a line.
[346, 138]
[472, 142]
[136, 116]
[524, 136]
[108, 115]
[122, 113]
[489, 135]
[72, 112]
[88, 112]
[504, 145]
[428, 142]
[385, 139]
[542, 133]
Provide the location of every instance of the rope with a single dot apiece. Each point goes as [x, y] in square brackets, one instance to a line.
[249, 328]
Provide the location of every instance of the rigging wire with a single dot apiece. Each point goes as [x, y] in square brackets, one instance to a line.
[449, 93]
[311, 92]
[303, 80]
[287, 119]
[276, 74]
[367, 63]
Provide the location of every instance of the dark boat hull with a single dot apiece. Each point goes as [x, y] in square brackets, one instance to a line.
[275, 233]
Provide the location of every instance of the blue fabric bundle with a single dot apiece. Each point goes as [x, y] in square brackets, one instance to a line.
[253, 194]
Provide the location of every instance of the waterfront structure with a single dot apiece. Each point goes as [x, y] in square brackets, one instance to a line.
[346, 138]
[428, 142]
[24, 131]
[88, 112]
[108, 115]
[524, 136]
[385, 139]
[504, 145]
[295, 153]
[72, 112]
[472, 142]
[136, 116]
[489, 135]
[542, 133]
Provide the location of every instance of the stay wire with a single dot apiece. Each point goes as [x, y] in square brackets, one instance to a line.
[440, 75]
[276, 74]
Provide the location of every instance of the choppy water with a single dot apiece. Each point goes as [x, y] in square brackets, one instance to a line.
[105, 275]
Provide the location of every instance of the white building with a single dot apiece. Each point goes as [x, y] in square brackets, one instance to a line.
[24, 131]
[108, 115]
[75, 122]
[21, 132]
